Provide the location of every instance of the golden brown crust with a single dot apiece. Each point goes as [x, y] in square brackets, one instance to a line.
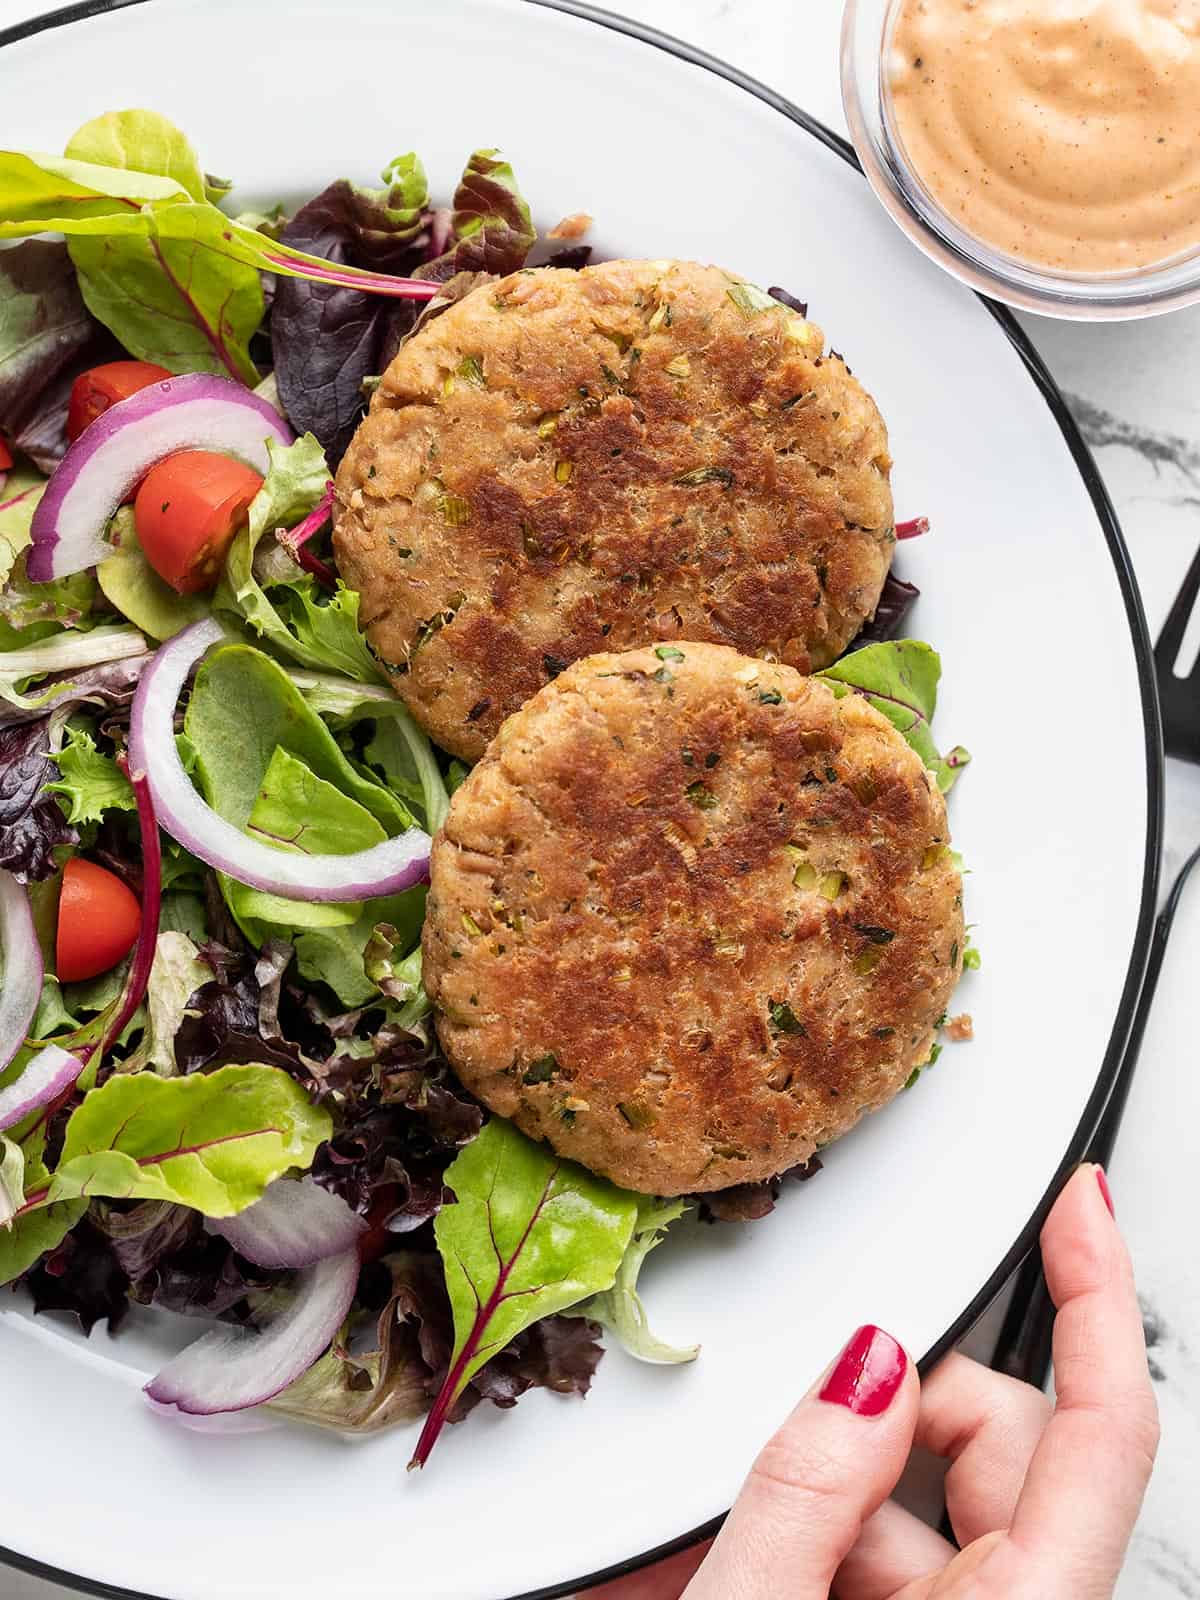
[629, 937]
[566, 462]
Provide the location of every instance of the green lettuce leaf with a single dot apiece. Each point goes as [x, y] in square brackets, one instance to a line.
[52, 1017]
[297, 811]
[399, 750]
[35, 1232]
[263, 758]
[35, 611]
[12, 1179]
[620, 1309]
[530, 1235]
[243, 706]
[212, 1141]
[89, 780]
[396, 975]
[130, 583]
[175, 976]
[142, 141]
[172, 281]
[900, 679]
[337, 956]
[18, 501]
[293, 617]
[189, 309]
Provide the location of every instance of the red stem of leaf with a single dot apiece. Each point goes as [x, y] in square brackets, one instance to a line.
[447, 1395]
[366, 282]
[912, 529]
[147, 941]
[455, 1381]
[295, 540]
[321, 571]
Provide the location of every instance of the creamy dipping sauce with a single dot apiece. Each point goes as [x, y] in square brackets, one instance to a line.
[1062, 132]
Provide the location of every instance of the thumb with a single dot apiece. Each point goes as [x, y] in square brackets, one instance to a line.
[830, 1467]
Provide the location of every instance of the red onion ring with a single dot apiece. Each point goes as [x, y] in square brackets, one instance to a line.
[232, 1368]
[385, 868]
[50, 1073]
[195, 412]
[23, 969]
[295, 1224]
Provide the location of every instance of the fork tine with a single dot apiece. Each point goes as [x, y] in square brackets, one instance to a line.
[1174, 628]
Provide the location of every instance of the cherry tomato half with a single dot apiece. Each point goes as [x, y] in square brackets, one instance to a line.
[187, 510]
[93, 392]
[98, 921]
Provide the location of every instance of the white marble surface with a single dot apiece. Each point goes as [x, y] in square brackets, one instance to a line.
[1135, 391]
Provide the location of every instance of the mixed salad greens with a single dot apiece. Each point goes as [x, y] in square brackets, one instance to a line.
[222, 1094]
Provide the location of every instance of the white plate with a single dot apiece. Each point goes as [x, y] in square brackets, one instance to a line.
[1047, 679]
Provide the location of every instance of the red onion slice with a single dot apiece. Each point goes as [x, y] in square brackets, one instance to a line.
[385, 868]
[51, 1072]
[22, 968]
[232, 1368]
[295, 1224]
[195, 412]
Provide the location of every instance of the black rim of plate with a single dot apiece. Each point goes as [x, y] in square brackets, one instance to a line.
[1131, 596]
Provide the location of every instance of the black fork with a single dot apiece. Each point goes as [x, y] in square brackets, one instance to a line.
[1023, 1348]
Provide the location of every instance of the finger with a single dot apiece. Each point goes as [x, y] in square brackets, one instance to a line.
[827, 1470]
[985, 1570]
[893, 1549]
[987, 1426]
[666, 1580]
[1086, 1480]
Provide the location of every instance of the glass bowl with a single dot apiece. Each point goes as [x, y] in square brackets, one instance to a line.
[1081, 296]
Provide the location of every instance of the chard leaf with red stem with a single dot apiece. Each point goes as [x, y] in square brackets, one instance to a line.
[529, 1235]
[900, 679]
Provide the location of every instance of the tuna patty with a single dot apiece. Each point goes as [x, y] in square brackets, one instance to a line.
[565, 462]
[691, 916]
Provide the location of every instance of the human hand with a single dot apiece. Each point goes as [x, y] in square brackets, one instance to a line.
[1042, 1499]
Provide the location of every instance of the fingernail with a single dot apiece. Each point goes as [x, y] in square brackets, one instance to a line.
[1102, 1180]
[867, 1374]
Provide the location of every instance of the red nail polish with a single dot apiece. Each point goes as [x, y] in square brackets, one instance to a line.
[867, 1374]
[1102, 1180]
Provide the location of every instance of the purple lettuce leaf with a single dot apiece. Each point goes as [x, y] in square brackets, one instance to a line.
[790, 300]
[559, 1353]
[490, 223]
[749, 1202]
[891, 614]
[326, 339]
[44, 326]
[42, 434]
[204, 1278]
[32, 823]
[571, 256]
[143, 1233]
[82, 1277]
